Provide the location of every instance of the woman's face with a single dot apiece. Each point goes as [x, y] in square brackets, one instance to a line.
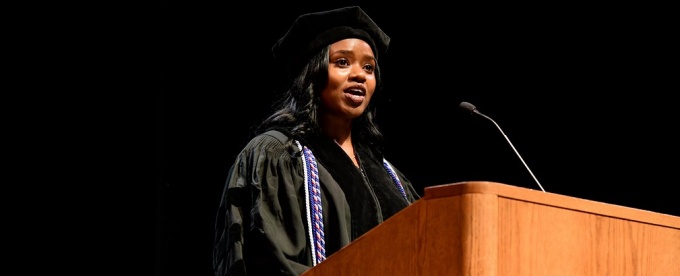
[351, 79]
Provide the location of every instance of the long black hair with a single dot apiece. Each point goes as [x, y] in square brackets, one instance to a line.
[296, 111]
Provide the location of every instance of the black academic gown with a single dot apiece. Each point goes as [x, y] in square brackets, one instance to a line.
[261, 226]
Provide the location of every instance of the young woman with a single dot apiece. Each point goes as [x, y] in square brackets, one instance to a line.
[315, 177]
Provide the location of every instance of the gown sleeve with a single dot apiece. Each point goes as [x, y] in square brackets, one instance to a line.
[260, 225]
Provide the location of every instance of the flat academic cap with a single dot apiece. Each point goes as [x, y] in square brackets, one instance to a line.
[312, 31]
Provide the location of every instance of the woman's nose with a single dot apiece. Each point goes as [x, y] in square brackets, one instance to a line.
[358, 74]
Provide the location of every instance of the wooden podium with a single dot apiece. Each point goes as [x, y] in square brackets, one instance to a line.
[487, 228]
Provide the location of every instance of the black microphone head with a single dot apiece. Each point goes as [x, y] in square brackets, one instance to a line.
[465, 106]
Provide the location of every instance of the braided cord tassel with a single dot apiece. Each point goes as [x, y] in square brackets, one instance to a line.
[313, 205]
[397, 182]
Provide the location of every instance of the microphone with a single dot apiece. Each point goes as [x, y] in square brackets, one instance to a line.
[465, 106]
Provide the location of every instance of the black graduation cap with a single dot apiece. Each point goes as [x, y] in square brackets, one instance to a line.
[313, 31]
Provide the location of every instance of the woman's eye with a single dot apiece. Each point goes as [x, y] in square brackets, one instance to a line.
[342, 62]
[369, 68]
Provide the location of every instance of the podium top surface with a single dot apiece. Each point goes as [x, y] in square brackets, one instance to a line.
[550, 199]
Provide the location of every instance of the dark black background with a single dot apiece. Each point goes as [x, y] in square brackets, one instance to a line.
[585, 93]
